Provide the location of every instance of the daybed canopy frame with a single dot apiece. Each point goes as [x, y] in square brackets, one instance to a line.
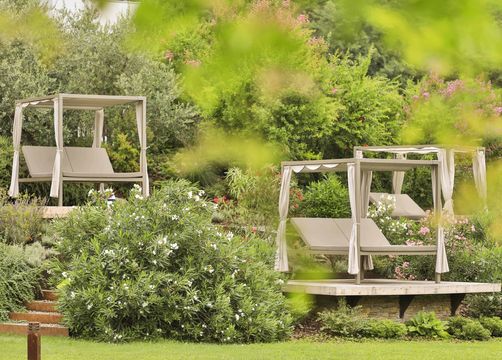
[61, 102]
[359, 174]
[446, 156]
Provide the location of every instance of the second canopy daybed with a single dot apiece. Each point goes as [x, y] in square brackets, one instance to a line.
[446, 156]
[358, 237]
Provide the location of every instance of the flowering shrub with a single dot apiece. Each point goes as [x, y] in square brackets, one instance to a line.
[157, 267]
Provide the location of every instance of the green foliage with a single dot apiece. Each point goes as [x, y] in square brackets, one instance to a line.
[344, 321]
[327, 198]
[18, 279]
[425, 324]
[6, 152]
[384, 329]
[253, 202]
[370, 108]
[330, 21]
[461, 111]
[493, 324]
[157, 267]
[467, 329]
[484, 305]
[21, 221]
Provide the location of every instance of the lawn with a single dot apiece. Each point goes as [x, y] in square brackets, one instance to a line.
[14, 347]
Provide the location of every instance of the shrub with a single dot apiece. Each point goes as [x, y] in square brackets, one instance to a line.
[326, 198]
[21, 221]
[344, 321]
[384, 329]
[157, 267]
[426, 324]
[18, 279]
[467, 329]
[493, 324]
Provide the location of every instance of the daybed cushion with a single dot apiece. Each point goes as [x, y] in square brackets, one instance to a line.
[93, 161]
[333, 235]
[405, 206]
[40, 160]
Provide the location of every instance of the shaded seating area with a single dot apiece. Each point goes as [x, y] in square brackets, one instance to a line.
[445, 154]
[59, 164]
[357, 237]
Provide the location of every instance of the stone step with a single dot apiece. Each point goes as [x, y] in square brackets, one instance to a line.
[21, 328]
[37, 316]
[42, 305]
[50, 295]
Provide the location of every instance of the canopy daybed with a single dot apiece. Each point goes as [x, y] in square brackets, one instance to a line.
[59, 164]
[446, 156]
[357, 237]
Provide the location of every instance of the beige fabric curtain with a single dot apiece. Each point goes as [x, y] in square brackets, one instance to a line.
[479, 171]
[446, 159]
[398, 177]
[281, 260]
[353, 267]
[56, 170]
[16, 139]
[141, 124]
[366, 178]
[99, 119]
[441, 259]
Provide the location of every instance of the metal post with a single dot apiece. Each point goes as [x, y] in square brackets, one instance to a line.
[358, 220]
[34, 341]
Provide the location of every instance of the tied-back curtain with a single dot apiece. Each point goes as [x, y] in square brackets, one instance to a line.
[141, 124]
[98, 128]
[281, 260]
[479, 171]
[16, 139]
[441, 259]
[353, 267]
[398, 176]
[56, 170]
[366, 179]
[447, 172]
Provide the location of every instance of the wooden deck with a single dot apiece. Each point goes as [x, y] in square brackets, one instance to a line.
[385, 287]
[51, 212]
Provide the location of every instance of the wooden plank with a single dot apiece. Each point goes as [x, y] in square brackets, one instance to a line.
[377, 287]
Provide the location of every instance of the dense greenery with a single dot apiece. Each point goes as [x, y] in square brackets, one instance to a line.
[157, 267]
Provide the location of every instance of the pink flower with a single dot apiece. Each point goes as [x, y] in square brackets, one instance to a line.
[169, 55]
[193, 63]
[498, 110]
[424, 230]
[334, 90]
[302, 19]
[425, 94]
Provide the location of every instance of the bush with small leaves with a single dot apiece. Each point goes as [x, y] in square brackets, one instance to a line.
[426, 324]
[384, 329]
[467, 329]
[493, 324]
[344, 321]
[19, 276]
[157, 267]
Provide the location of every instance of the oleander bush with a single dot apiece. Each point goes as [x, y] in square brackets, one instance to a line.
[19, 276]
[158, 267]
[467, 329]
[425, 324]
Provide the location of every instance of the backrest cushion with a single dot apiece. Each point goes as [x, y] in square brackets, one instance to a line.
[40, 160]
[405, 206]
[371, 235]
[89, 160]
[320, 232]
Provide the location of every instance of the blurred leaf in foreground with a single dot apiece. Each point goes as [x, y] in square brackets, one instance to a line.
[30, 24]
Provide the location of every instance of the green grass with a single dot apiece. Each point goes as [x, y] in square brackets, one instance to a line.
[14, 347]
